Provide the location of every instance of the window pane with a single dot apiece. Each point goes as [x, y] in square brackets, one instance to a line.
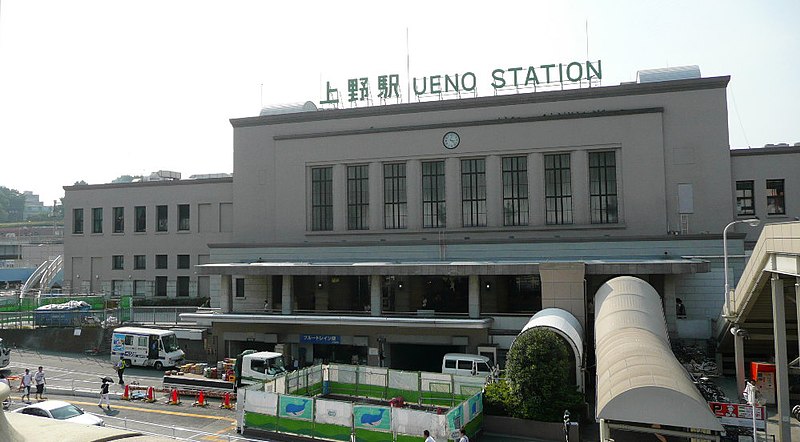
[775, 198]
[322, 199]
[395, 205]
[558, 189]
[473, 193]
[77, 221]
[603, 187]
[140, 222]
[119, 219]
[433, 205]
[97, 220]
[358, 197]
[515, 191]
[183, 217]
[162, 220]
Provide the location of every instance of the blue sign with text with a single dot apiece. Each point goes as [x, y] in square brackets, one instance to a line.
[320, 339]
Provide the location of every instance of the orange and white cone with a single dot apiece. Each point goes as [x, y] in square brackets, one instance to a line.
[126, 395]
[201, 400]
[174, 399]
[226, 401]
[151, 396]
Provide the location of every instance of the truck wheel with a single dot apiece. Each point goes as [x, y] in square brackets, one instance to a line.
[158, 365]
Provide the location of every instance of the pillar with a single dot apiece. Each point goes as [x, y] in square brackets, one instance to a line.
[375, 295]
[225, 293]
[474, 296]
[287, 296]
[781, 359]
[738, 353]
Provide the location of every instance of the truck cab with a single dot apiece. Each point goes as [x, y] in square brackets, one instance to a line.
[258, 367]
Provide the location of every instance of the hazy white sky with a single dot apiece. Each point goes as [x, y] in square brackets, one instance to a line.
[91, 90]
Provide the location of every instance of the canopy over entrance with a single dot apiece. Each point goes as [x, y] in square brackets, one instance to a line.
[567, 326]
[639, 380]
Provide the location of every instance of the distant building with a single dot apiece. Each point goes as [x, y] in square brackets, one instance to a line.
[33, 206]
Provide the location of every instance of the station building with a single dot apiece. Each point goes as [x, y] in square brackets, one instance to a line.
[391, 235]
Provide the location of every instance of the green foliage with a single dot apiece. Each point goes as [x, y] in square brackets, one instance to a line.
[538, 370]
[498, 400]
[126, 178]
[12, 204]
[171, 302]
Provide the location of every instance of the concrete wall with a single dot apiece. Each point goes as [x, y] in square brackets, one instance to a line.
[88, 256]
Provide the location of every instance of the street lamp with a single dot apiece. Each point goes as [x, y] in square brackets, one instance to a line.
[753, 222]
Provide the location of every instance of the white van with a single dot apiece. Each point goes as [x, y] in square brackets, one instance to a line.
[149, 347]
[466, 365]
[5, 354]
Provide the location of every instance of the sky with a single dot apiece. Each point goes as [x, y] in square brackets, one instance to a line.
[92, 90]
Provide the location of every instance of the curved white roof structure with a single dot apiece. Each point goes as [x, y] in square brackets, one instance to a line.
[638, 377]
[568, 327]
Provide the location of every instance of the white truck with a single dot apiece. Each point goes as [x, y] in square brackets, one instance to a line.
[148, 347]
[251, 367]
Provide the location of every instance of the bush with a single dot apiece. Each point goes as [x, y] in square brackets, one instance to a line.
[169, 302]
[538, 370]
[498, 400]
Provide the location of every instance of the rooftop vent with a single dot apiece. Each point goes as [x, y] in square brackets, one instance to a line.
[668, 74]
[205, 176]
[291, 108]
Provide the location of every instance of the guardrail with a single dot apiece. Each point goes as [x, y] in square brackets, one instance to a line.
[141, 315]
[171, 431]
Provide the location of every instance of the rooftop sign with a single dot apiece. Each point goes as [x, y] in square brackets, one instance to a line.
[359, 89]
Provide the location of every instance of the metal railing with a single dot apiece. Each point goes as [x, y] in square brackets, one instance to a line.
[171, 431]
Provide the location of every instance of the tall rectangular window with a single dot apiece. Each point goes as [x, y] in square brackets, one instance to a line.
[322, 198]
[162, 219]
[603, 187]
[433, 202]
[776, 204]
[97, 220]
[557, 189]
[161, 261]
[118, 262]
[183, 217]
[77, 221]
[161, 286]
[140, 219]
[395, 204]
[139, 262]
[745, 198]
[358, 197]
[119, 219]
[182, 286]
[515, 191]
[239, 288]
[183, 261]
[473, 192]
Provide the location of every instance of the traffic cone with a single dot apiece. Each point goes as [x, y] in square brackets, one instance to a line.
[201, 400]
[226, 401]
[151, 397]
[126, 396]
[174, 398]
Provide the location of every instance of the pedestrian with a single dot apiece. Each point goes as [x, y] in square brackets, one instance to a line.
[104, 393]
[463, 433]
[38, 377]
[6, 401]
[120, 366]
[428, 437]
[25, 386]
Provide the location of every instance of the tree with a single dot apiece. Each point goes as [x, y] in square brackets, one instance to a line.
[126, 178]
[538, 370]
[12, 205]
[81, 183]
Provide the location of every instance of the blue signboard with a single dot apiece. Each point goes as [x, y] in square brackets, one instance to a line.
[320, 339]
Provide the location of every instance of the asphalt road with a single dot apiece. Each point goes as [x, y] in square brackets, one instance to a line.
[76, 379]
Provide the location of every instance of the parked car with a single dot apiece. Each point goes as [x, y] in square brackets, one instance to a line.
[62, 411]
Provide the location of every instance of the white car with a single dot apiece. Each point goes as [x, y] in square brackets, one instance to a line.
[62, 411]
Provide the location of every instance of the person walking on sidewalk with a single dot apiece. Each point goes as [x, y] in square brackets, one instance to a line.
[104, 393]
[38, 377]
[120, 366]
[25, 386]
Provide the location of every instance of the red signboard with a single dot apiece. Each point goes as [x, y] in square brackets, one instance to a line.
[740, 415]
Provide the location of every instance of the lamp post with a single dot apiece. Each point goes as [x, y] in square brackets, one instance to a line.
[752, 222]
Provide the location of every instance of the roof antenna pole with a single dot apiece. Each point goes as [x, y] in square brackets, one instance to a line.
[408, 70]
[261, 94]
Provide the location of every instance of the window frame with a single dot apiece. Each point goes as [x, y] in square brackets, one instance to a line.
[184, 219]
[358, 197]
[321, 198]
[779, 197]
[117, 262]
[162, 224]
[158, 285]
[118, 217]
[159, 259]
[239, 288]
[434, 206]
[516, 206]
[473, 192]
[395, 196]
[558, 189]
[77, 221]
[139, 262]
[97, 220]
[184, 265]
[742, 209]
[182, 286]
[604, 195]
[140, 219]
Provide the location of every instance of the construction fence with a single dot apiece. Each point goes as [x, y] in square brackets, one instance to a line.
[346, 402]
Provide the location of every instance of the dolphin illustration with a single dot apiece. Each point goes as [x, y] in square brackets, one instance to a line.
[372, 419]
[296, 409]
[474, 408]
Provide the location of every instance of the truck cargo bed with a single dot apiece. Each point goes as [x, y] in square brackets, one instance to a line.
[197, 382]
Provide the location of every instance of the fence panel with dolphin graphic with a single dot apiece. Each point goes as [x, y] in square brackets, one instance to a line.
[354, 404]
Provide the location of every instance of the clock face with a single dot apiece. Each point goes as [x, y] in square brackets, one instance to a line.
[451, 140]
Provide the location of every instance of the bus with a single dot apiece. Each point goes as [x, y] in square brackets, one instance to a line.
[147, 347]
